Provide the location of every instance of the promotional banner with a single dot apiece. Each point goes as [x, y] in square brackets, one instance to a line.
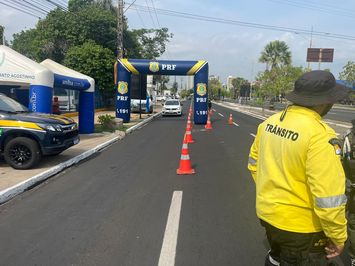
[123, 97]
[127, 67]
[201, 96]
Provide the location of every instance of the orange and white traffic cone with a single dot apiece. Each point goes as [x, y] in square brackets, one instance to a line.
[208, 126]
[188, 125]
[230, 120]
[185, 163]
[211, 112]
[188, 136]
[190, 111]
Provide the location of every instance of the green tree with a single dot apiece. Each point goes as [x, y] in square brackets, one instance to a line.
[151, 42]
[1, 34]
[275, 54]
[161, 81]
[278, 81]
[174, 88]
[93, 60]
[348, 73]
[237, 83]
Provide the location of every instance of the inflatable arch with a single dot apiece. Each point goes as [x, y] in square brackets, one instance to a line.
[127, 67]
[18, 70]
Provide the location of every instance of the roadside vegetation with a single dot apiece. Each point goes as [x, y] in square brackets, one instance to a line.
[84, 38]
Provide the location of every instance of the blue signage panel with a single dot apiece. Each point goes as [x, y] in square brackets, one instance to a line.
[201, 95]
[123, 95]
[70, 83]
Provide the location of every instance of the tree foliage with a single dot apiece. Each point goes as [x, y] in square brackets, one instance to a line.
[1, 34]
[276, 54]
[93, 60]
[348, 73]
[278, 80]
[88, 22]
[237, 84]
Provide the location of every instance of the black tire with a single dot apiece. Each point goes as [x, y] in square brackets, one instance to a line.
[22, 153]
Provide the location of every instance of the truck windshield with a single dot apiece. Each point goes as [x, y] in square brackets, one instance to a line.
[9, 105]
[172, 103]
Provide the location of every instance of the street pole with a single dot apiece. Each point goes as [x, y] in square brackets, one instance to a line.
[120, 52]
[310, 46]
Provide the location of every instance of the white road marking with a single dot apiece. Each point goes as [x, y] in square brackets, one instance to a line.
[253, 135]
[168, 249]
[235, 124]
[214, 110]
[332, 113]
[221, 114]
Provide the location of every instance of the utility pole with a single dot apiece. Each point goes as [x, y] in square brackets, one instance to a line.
[120, 52]
[310, 46]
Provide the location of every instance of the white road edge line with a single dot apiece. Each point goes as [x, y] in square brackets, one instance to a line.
[168, 249]
[221, 114]
[234, 123]
[251, 134]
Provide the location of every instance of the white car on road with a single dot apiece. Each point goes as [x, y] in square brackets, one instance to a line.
[172, 107]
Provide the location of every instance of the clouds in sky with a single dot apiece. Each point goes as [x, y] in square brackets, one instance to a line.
[230, 49]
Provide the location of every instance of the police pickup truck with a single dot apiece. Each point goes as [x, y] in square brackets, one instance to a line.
[25, 137]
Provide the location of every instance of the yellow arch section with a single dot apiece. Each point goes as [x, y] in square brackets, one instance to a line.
[129, 66]
[196, 67]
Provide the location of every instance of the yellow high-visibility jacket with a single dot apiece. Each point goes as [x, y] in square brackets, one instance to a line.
[300, 182]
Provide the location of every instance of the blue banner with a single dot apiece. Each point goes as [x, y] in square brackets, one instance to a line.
[123, 95]
[201, 96]
[70, 83]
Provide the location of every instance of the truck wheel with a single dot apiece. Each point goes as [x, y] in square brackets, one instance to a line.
[22, 153]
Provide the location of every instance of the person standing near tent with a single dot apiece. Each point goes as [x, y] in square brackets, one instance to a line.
[300, 182]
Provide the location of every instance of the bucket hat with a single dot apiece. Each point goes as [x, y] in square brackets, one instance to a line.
[315, 88]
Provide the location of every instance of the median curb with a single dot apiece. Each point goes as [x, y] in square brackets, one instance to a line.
[11, 192]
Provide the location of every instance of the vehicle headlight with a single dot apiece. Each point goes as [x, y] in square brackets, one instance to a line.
[50, 127]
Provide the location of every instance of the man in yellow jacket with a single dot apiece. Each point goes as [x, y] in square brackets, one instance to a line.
[300, 182]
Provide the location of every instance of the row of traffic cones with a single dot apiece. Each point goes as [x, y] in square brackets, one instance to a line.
[185, 167]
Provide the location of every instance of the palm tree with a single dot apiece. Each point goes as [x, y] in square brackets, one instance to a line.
[275, 54]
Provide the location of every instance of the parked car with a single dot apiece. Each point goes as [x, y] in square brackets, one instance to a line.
[135, 106]
[26, 136]
[172, 107]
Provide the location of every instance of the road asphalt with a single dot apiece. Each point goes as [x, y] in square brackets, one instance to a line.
[113, 209]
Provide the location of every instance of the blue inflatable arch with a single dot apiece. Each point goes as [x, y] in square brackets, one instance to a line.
[66, 78]
[127, 67]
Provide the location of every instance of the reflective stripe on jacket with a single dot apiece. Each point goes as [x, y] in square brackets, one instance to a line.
[300, 182]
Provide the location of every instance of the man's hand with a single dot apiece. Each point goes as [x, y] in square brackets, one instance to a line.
[333, 250]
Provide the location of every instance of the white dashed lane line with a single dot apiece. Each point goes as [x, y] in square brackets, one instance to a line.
[253, 135]
[168, 249]
[221, 114]
[235, 124]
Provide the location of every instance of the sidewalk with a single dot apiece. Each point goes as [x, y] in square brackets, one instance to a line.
[339, 127]
[50, 165]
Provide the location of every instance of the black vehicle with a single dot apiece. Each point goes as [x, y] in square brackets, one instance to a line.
[26, 136]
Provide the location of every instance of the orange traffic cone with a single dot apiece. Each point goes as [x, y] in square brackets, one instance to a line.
[230, 120]
[190, 111]
[209, 124]
[211, 112]
[185, 163]
[189, 125]
[188, 136]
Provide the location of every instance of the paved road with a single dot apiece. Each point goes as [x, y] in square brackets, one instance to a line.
[113, 209]
[341, 114]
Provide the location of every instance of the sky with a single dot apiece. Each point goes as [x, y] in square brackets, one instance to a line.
[234, 49]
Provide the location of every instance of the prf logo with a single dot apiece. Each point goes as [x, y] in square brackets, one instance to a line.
[2, 58]
[201, 89]
[122, 87]
[154, 66]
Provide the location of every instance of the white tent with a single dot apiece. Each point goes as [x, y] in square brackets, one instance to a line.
[17, 69]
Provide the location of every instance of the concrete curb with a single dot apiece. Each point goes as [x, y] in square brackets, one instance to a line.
[9, 193]
[140, 124]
